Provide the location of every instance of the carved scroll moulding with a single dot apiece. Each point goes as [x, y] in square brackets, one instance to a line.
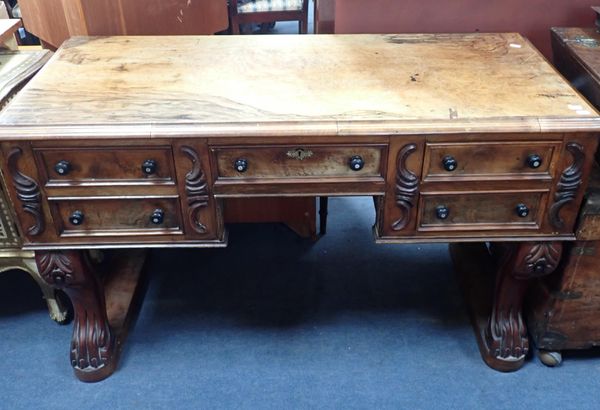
[568, 186]
[196, 189]
[28, 192]
[407, 187]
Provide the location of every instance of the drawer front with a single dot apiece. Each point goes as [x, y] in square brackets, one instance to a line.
[115, 217]
[483, 211]
[305, 161]
[106, 165]
[489, 160]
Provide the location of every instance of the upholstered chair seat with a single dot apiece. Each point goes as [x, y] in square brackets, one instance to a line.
[266, 12]
[260, 6]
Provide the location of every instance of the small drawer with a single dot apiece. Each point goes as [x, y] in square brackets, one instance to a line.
[106, 165]
[116, 217]
[481, 211]
[300, 161]
[490, 160]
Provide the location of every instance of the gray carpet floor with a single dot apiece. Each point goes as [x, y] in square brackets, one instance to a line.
[275, 321]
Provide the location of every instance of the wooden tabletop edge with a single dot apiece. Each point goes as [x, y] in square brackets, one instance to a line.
[324, 128]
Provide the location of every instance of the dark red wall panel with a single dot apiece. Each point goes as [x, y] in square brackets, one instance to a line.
[533, 18]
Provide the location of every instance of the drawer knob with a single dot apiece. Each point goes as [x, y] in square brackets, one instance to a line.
[522, 210]
[157, 216]
[442, 212]
[76, 218]
[357, 163]
[62, 167]
[449, 163]
[149, 167]
[534, 161]
[241, 165]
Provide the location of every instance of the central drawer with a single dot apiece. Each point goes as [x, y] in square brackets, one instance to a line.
[116, 216]
[312, 161]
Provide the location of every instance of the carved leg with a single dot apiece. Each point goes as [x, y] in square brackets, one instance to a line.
[505, 338]
[93, 343]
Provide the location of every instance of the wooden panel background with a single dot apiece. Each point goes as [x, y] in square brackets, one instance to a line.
[532, 18]
[54, 21]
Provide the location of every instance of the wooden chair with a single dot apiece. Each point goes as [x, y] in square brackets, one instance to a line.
[266, 11]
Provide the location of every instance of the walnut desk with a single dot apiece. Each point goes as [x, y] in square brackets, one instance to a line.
[133, 142]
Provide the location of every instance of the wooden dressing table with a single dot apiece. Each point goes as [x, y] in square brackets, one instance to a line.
[133, 142]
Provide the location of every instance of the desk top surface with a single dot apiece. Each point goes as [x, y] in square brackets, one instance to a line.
[295, 85]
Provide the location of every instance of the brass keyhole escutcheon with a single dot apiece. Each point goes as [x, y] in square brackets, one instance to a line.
[300, 153]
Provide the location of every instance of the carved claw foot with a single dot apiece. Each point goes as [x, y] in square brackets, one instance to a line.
[506, 337]
[93, 343]
[506, 340]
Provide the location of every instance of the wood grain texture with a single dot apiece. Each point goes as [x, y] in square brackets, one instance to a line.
[219, 86]
[474, 211]
[315, 161]
[490, 160]
[108, 165]
[107, 216]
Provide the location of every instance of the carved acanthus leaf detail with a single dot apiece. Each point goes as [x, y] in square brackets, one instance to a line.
[542, 259]
[196, 188]
[56, 269]
[28, 192]
[569, 183]
[407, 187]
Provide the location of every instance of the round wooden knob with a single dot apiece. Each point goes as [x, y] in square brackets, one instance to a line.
[442, 212]
[241, 165]
[534, 161]
[522, 210]
[62, 167]
[157, 217]
[149, 167]
[449, 163]
[356, 163]
[76, 218]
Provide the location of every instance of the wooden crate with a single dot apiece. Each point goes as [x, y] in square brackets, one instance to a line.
[563, 309]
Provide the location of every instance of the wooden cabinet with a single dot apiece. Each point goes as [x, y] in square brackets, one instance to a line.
[55, 21]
